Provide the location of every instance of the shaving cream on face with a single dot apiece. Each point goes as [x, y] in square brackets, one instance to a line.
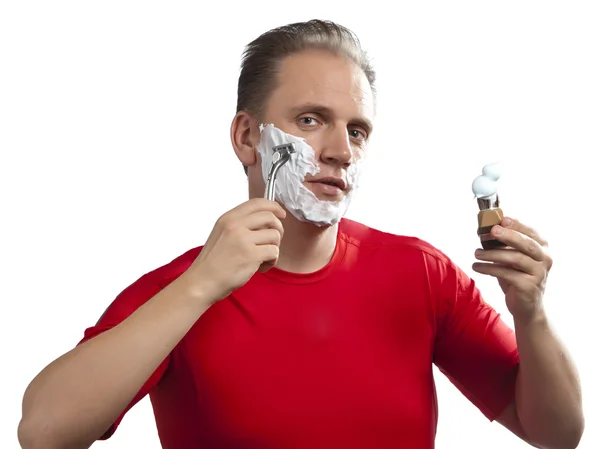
[485, 186]
[289, 186]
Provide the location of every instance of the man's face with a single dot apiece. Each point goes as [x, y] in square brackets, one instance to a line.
[328, 101]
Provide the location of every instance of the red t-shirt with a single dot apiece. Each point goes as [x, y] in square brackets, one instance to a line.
[337, 358]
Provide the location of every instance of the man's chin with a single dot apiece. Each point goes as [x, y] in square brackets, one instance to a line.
[310, 219]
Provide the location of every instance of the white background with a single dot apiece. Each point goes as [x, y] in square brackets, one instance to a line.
[114, 132]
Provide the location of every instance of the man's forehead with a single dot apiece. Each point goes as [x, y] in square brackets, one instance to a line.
[327, 82]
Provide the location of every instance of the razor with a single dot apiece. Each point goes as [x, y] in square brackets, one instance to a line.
[282, 154]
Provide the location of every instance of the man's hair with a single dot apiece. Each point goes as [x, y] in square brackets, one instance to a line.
[262, 56]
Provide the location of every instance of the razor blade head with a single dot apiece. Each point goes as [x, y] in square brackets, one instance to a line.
[281, 155]
[289, 147]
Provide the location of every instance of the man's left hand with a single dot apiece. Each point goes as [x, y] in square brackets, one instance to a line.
[521, 268]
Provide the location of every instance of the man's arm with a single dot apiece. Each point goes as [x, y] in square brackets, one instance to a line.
[76, 398]
[547, 411]
[548, 404]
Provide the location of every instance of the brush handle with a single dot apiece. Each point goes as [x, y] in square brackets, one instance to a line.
[487, 219]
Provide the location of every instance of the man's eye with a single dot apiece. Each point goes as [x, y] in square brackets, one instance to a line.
[308, 121]
[356, 134]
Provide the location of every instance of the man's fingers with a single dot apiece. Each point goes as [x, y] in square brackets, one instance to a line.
[519, 241]
[266, 237]
[508, 257]
[268, 254]
[263, 220]
[259, 204]
[516, 225]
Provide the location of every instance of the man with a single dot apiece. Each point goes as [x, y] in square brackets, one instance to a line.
[322, 336]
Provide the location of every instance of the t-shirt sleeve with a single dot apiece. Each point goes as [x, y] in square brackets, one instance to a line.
[124, 305]
[474, 347]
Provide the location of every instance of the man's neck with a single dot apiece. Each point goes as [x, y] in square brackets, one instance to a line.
[305, 247]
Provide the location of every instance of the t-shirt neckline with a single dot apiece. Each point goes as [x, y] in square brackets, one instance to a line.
[288, 277]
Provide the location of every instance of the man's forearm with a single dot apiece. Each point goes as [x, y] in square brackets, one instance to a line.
[548, 393]
[76, 398]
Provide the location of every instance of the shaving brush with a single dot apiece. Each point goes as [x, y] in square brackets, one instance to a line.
[490, 214]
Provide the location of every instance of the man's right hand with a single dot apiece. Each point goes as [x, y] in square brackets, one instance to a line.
[243, 241]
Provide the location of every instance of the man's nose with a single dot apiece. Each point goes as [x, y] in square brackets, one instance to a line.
[337, 149]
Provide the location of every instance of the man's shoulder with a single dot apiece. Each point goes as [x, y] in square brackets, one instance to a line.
[361, 235]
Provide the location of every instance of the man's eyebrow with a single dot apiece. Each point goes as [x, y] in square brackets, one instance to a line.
[328, 112]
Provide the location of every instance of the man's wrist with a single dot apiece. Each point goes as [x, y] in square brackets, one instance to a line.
[536, 318]
[198, 290]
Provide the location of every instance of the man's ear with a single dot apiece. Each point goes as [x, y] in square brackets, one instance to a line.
[245, 136]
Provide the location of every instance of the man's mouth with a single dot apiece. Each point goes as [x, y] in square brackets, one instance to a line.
[328, 188]
[331, 181]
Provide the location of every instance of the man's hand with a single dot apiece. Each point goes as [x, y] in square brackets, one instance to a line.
[521, 268]
[244, 240]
